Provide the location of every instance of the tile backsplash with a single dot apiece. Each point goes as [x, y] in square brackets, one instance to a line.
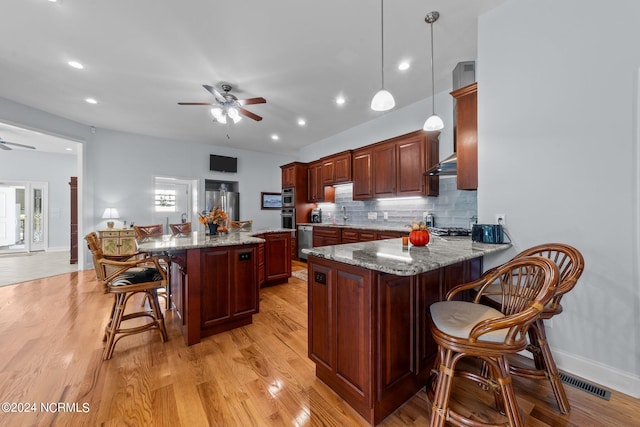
[452, 208]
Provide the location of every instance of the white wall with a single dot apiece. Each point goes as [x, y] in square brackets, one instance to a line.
[558, 153]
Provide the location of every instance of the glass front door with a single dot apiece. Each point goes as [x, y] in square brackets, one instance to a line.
[23, 216]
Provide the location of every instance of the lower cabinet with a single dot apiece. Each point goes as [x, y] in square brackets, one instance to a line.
[326, 236]
[214, 289]
[277, 257]
[369, 333]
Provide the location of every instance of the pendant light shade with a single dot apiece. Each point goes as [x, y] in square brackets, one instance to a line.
[433, 122]
[382, 100]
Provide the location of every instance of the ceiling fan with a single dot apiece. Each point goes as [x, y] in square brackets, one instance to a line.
[4, 145]
[228, 105]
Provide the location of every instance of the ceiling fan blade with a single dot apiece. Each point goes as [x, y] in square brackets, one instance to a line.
[214, 92]
[194, 103]
[251, 101]
[4, 147]
[19, 145]
[249, 114]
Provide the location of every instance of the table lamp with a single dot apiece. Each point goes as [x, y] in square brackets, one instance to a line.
[110, 213]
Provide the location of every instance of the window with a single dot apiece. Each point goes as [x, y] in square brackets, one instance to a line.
[165, 201]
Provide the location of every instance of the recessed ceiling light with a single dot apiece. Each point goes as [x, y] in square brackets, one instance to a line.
[76, 64]
[91, 101]
[275, 137]
[340, 100]
[404, 65]
[302, 122]
[69, 149]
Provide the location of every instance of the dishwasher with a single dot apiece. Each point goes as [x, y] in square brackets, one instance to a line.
[305, 239]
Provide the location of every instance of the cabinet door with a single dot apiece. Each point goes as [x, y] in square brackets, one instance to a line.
[342, 168]
[278, 260]
[288, 176]
[215, 286]
[316, 187]
[178, 283]
[328, 172]
[432, 183]
[321, 320]
[244, 292]
[394, 331]
[411, 166]
[428, 292]
[353, 307]
[384, 170]
[362, 177]
[466, 135]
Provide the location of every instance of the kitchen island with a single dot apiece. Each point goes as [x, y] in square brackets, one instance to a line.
[368, 326]
[215, 280]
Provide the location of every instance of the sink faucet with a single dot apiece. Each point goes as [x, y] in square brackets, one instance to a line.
[184, 218]
[344, 214]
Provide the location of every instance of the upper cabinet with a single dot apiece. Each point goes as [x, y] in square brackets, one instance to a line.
[294, 175]
[336, 169]
[317, 191]
[466, 134]
[396, 167]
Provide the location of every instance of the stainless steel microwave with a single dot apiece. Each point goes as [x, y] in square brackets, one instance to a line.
[288, 197]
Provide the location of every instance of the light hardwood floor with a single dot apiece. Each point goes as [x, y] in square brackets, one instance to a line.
[258, 375]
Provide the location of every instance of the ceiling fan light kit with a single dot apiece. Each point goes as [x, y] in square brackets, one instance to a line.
[382, 100]
[228, 105]
[433, 122]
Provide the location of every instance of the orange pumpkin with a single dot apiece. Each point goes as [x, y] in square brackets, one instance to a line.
[419, 237]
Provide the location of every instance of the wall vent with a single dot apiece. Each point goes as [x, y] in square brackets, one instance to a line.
[585, 386]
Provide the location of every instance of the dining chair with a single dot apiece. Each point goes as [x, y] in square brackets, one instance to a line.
[124, 279]
[570, 263]
[469, 329]
[180, 228]
[144, 232]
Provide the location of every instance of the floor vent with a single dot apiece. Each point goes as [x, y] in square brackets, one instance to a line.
[585, 386]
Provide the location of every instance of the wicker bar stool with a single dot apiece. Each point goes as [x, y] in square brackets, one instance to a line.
[144, 232]
[570, 264]
[124, 279]
[180, 228]
[470, 329]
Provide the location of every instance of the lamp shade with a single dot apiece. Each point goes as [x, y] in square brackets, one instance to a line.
[110, 213]
[382, 101]
[434, 122]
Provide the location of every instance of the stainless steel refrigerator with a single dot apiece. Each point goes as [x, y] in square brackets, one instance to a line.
[228, 201]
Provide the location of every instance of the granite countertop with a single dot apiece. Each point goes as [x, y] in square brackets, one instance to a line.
[388, 256]
[198, 239]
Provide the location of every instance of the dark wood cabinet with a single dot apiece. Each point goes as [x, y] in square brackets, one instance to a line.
[291, 174]
[466, 136]
[277, 263]
[352, 235]
[317, 191]
[362, 174]
[384, 169]
[369, 331]
[381, 235]
[340, 299]
[326, 236]
[336, 169]
[395, 167]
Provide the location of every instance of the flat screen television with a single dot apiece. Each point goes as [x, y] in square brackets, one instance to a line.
[223, 163]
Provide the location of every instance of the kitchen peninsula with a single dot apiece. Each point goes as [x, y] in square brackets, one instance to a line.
[215, 280]
[368, 324]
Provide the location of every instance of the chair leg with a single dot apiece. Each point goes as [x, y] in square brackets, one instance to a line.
[538, 334]
[157, 313]
[114, 325]
[440, 404]
[503, 378]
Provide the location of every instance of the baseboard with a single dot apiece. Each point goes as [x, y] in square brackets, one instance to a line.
[58, 249]
[606, 376]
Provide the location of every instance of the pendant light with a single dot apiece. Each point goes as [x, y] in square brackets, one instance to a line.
[433, 122]
[382, 100]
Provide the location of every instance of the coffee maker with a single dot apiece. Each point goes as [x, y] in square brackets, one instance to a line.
[316, 215]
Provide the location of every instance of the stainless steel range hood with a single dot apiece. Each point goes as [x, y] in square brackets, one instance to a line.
[447, 166]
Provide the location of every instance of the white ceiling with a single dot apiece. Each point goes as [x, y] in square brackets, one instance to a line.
[142, 57]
